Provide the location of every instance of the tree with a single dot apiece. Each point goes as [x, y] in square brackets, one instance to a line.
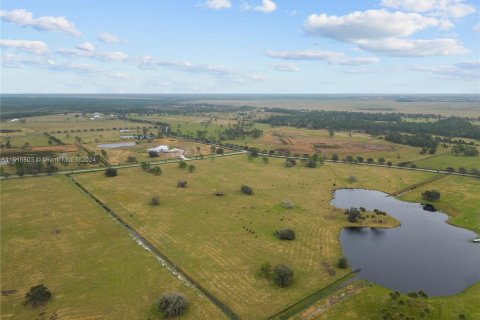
[156, 170]
[381, 160]
[266, 269]
[335, 157]
[131, 159]
[173, 304]
[370, 160]
[430, 195]
[220, 151]
[283, 275]
[450, 169]
[353, 214]
[311, 163]
[360, 159]
[290, 163]
[111, 172]
[181, 184]
[182, 164]
[37, 295]
[286, 234]
[155, 201]
[342, 263]
[191, 168]
[153, 154]
[246, 190]
[265, 159]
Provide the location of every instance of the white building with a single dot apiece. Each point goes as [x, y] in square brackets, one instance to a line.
[159, 149]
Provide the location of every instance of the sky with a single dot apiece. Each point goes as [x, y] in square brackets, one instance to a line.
[240, 46]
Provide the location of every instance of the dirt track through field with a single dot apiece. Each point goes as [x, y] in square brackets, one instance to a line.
[169, 265]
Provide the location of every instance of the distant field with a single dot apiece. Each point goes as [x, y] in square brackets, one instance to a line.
[54, 234]
[206, 235]
[443, 106]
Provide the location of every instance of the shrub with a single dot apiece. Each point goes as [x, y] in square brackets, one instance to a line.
[430, 195]
[335, 157]
[111, 172]
[37, 295]
[450, 169]
[290, 163]
[218, 194]
[283, 275]
[342, 263]
[352, 179]
[286, 234]
[181, 184]
[265, 159]
[311, 163]
[131, 159]
[155, 201]
[266, 269]
[191, 168]
[172, 304]
[288, 204]
[246, 190]
[381, 160]
[370, 160]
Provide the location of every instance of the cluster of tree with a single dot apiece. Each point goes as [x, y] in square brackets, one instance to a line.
[372, 123]
[111, 172]
[353, 214]
[240, 130]
[37, 295]
[430, 195]
[22, 168]
[173, 304]
[54, 140]
[401, 305]
[246, 190]
[281, 274]
[466, 150]
[182, 184]
[425, 141]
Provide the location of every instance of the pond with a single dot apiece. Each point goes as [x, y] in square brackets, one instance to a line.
[424, 253]
[116, 145]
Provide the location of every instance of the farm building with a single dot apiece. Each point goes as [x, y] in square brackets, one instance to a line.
[159, 149]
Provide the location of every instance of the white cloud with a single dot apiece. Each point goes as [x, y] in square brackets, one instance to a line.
[149, 62]
[305, 55]
[86, 46]
[114, 56]
[36, 47]
[370, 24]
[469, 70]
[476, 28]
[385, 32]
[453, 8]
[414, 48]
[267, 6]
[285, 67]
[25, 18]
[218, 4]
[332, 57]
[106, 37]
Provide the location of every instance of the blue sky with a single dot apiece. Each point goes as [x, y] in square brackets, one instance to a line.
[251, 46]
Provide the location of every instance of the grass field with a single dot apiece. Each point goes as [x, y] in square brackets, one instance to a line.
[53, 234]
[459, 198]
[442, 162]
[368, 304]
[207, 237]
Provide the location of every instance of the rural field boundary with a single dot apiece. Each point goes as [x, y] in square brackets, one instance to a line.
[88, 151]
[168, 264]
[304, 303]
[416, 185]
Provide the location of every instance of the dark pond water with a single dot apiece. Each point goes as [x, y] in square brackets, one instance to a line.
[424, 253]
